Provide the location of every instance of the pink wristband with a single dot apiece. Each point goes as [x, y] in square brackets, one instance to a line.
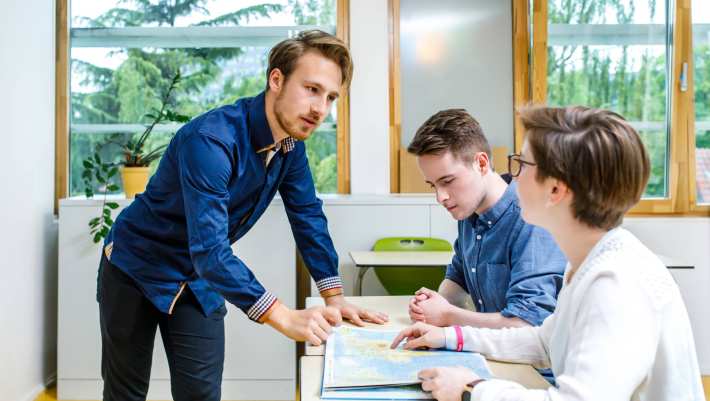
[459, 338]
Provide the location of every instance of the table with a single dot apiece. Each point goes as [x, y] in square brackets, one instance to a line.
[311, 364]
[364, 260]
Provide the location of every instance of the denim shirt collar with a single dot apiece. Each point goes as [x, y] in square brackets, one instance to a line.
[259, 131]
[491, 216]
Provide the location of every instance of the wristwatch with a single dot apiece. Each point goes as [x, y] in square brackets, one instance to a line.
[466, 395]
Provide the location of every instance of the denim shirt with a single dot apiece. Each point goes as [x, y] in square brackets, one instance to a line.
[507, 265]
[210, 188]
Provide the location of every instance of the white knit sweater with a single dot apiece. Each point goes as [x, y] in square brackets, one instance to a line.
[620, 332]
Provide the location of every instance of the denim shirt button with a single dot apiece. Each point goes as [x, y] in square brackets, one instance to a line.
[480, 302]
[473, 270]
[478, 236]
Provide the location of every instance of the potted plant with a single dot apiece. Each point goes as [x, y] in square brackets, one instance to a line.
[135, 165]
[137, 160]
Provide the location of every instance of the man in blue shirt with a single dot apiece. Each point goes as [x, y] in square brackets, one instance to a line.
[168, 261]
[512, 271]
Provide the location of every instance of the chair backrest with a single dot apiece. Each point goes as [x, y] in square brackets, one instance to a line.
[401, 244]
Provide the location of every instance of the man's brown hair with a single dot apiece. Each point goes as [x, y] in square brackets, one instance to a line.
[452, 130]
[596, 153]
[286, 53]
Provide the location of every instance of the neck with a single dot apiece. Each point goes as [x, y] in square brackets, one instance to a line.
[495, 188]
[576, 240]
[277, 131]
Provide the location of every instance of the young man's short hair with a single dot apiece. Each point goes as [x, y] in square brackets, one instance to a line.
[596, 153]
[286, 53]
[452, 130]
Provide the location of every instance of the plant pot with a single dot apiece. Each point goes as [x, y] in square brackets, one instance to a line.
[135, 180]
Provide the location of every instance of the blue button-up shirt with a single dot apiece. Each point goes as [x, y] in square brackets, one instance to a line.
[507, 265]
[210, 188]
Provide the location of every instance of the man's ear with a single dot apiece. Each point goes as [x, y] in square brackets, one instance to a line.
[557, 191]
[276, 80]
[483, 163]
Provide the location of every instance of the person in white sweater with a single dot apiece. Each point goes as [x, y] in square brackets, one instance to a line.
[620, 330]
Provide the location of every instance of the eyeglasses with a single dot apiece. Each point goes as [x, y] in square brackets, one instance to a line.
[515, 164]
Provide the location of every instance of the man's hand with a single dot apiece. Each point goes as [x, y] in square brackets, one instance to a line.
[312, 324]
[358, 316]
[421, 335]
[430, 307]
[446, 384]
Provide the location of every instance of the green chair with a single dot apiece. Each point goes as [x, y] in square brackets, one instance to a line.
[407, 280]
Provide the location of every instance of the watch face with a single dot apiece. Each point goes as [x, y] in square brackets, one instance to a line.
[466, 396]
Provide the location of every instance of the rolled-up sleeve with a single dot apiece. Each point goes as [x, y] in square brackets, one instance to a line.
[537, 267]
[205, 168]
[309, 224]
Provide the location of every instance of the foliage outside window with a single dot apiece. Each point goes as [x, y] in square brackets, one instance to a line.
[613, 54]
[125, 52]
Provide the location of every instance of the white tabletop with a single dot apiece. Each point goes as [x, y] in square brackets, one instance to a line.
[394, 259]
[435, 258]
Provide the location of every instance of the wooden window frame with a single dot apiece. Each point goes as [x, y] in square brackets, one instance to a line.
[62, 103]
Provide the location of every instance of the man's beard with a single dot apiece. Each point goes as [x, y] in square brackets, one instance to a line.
[293, 130]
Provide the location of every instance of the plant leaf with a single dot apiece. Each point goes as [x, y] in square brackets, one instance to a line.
[112, 205]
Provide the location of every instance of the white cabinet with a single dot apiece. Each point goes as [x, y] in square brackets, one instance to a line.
[260, 364]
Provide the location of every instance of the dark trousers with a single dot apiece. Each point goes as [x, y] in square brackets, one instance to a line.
[194, 344]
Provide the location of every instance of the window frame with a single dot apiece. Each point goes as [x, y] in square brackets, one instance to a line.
[62, 100]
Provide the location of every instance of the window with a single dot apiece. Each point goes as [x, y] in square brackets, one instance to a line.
[615, 55]
[648, 60]
[123, 54]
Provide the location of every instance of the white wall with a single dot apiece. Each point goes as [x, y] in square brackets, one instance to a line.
[27, 228]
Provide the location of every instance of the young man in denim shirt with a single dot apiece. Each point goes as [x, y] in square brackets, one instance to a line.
[511, 270]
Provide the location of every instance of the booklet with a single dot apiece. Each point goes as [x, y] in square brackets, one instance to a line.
[359, 364]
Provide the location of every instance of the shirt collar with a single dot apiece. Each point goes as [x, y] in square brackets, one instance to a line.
[491, 216]
[261, 137]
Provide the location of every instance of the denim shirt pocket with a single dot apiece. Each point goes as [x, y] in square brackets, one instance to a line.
[495, 280]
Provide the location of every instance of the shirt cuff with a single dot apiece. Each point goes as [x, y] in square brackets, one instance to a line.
[330, 286]
[534, 316]
[450, 335]
[262, 307]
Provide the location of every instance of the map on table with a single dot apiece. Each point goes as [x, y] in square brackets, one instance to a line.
[359, 364]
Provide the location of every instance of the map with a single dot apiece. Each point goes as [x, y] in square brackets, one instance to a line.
[359, 364]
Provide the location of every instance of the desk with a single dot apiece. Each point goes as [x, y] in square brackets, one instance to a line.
[396, 307]
[366, 259]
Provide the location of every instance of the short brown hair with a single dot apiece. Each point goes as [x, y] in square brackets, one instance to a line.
[596, 153]
[286, 53]
[451, 130]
